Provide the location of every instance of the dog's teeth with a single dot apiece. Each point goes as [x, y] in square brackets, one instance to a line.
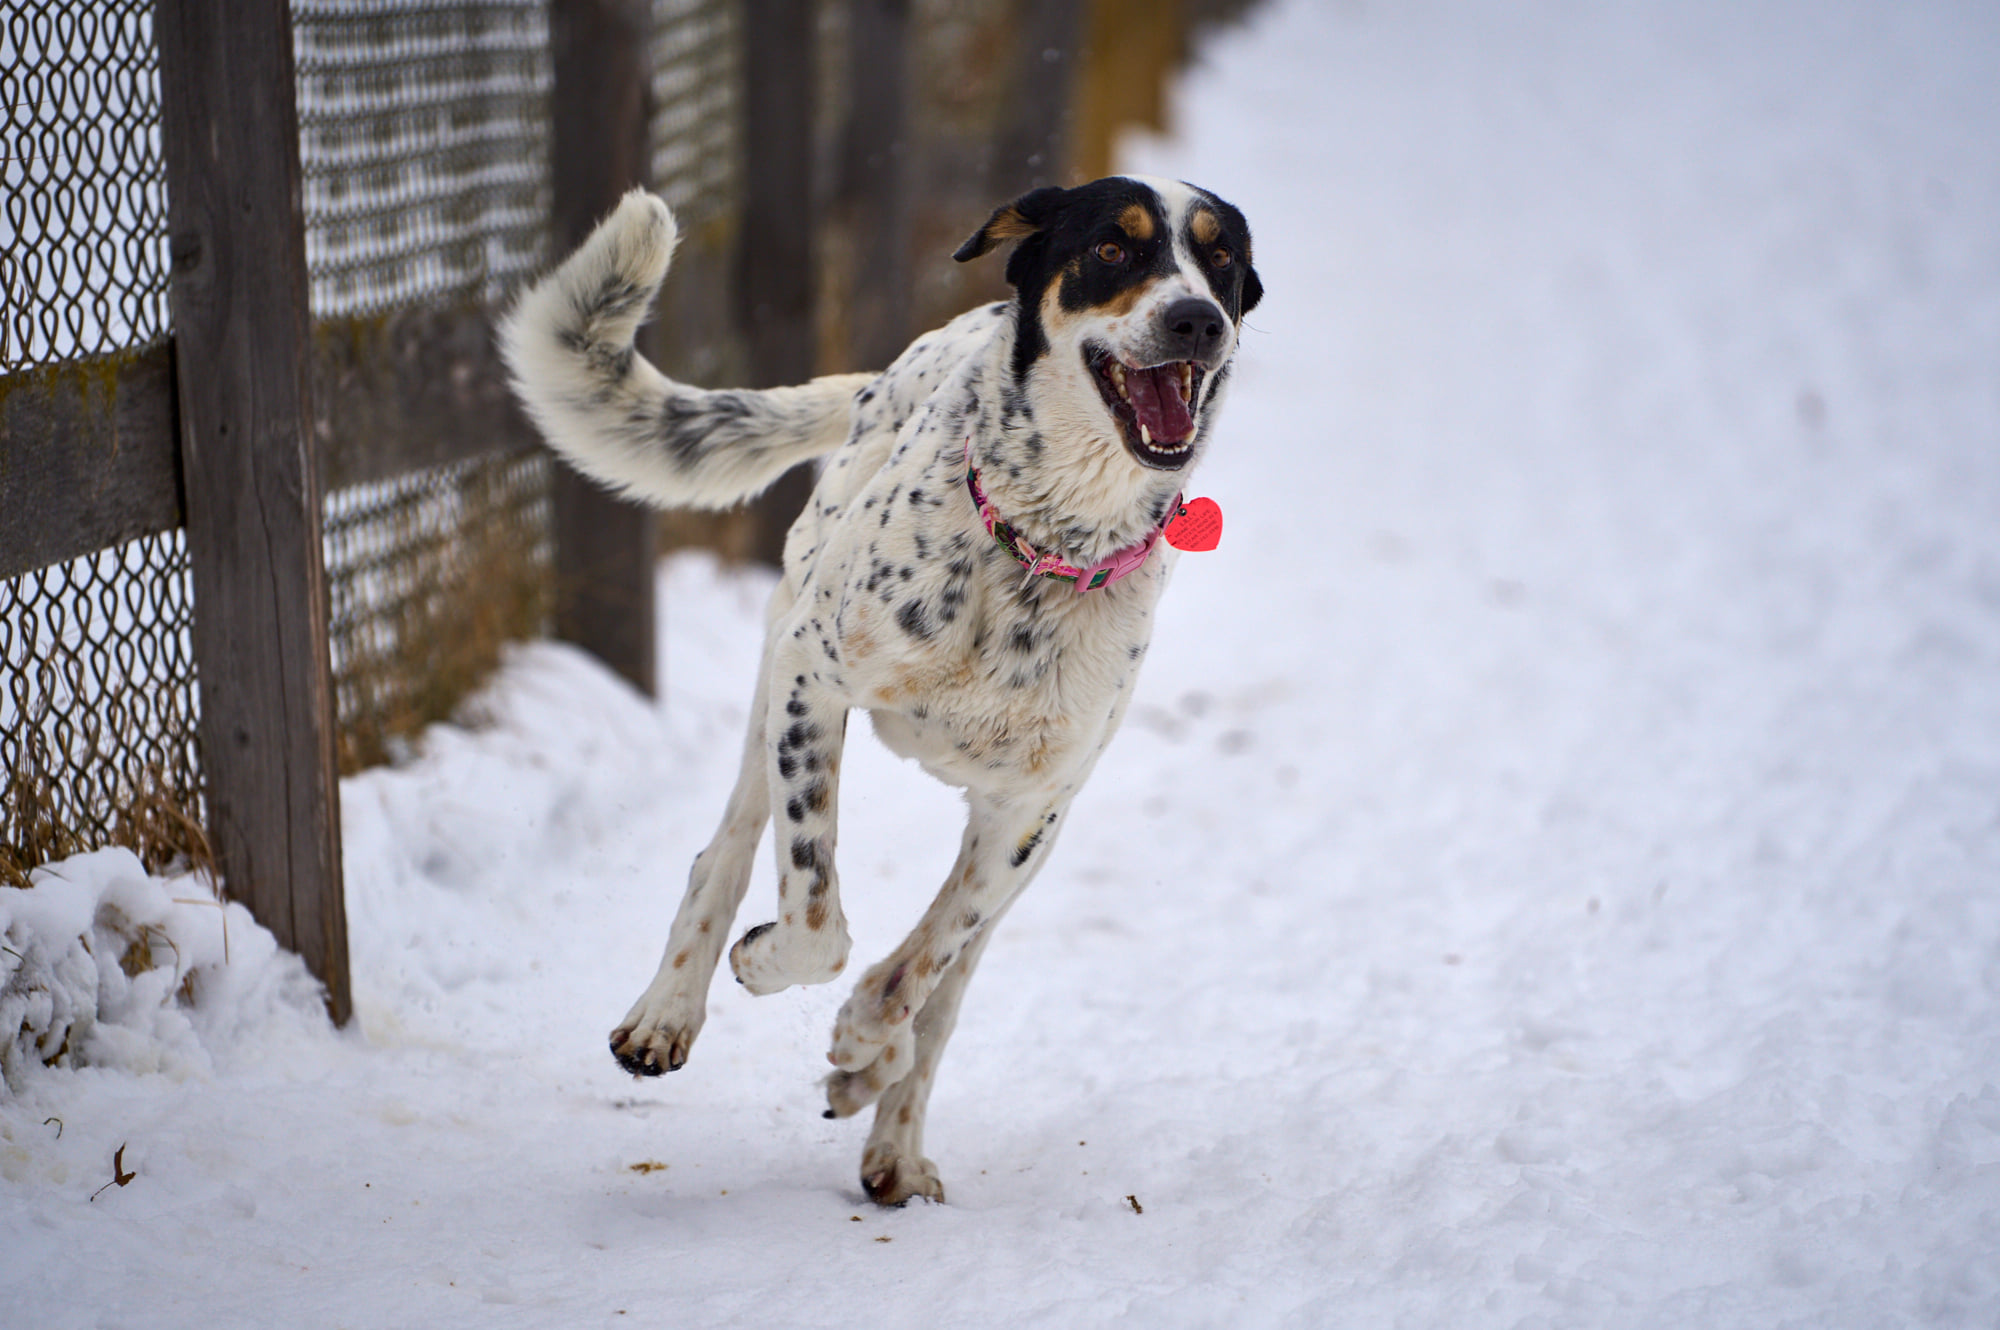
[1145, 435]
[1118, 380]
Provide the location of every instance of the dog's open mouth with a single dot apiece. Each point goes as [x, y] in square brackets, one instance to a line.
[1154, 406]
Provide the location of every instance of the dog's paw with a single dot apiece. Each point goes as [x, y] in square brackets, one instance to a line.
[771, 957]
[653, 1052]
[891, 1179]
[879, 1047]
[656, 1034]
[848, 1092]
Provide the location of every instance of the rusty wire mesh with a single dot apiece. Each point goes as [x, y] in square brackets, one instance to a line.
[97, 682]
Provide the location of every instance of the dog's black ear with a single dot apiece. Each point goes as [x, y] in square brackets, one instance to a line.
[1014, 221]
[1253, 291]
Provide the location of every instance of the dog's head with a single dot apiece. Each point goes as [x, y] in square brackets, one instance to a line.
[1132, 285]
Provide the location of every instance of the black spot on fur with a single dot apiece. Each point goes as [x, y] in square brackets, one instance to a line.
[915, 620]
[692, 424]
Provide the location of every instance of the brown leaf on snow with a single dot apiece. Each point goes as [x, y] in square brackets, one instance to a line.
[119, 1177]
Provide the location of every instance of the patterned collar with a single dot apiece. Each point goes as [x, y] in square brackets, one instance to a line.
[1050, 563]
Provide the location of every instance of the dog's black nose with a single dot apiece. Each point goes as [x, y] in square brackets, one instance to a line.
[1193, 329]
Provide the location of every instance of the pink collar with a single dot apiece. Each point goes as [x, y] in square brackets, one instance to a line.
[1050, 563]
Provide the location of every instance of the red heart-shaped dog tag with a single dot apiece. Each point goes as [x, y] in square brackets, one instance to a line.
[1197, 527]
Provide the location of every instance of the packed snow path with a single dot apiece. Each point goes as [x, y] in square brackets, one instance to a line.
[1551, 876]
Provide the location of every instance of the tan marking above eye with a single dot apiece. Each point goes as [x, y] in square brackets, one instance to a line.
[1137, 221]
[1110, 252]
[1204, 226]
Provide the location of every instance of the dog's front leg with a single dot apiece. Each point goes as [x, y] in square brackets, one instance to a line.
[807, 726]
[885, 1031]
[893, 1167]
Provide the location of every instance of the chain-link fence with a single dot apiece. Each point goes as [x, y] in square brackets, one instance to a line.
[97, 681]
[83, 249]
[97, 712]
[429, 575]
[424, 149]
[424, 138]
[423, 143]
[697, 152]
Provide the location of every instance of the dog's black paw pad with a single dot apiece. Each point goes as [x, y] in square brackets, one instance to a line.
[750, 935]
[644, 1061]
[637, 1065]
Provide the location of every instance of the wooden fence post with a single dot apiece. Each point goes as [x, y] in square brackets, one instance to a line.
[241, 328]
[605, 547]
[1033, 146]
[873, 193]
[775, 277]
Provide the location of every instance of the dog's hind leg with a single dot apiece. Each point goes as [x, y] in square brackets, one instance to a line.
[656, 1034]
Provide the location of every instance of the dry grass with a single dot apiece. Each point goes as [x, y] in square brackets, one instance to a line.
[43, 819]
[474, 589]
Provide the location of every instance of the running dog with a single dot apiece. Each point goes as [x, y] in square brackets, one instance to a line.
[977, 569]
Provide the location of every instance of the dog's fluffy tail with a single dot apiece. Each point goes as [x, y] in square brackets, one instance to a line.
[568, 342]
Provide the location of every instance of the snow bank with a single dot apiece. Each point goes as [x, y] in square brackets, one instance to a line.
[105, 966]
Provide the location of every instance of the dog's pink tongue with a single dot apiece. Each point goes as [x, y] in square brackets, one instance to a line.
[1157, 402]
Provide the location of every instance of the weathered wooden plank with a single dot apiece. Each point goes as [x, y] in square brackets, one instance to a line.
[776, 280]
[229, 134]
[88, 458]
[90, 447]
[605, 547]
[409, 389]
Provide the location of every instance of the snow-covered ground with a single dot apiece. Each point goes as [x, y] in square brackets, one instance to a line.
[1551, 876]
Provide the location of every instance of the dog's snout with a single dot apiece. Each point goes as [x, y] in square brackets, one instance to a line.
[1193, 329]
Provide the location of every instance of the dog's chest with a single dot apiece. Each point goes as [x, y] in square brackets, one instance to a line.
[1010, 689]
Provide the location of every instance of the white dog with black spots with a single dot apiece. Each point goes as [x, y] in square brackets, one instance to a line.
[977, 569]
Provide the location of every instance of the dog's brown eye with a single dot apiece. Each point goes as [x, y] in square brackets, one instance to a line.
[1111, 252]
[1220, 258]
